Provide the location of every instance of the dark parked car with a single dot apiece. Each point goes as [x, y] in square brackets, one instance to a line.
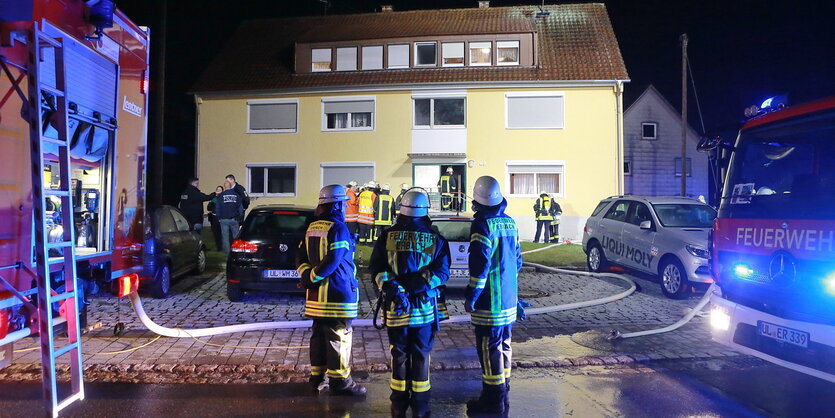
[172, 249]
[263, 258]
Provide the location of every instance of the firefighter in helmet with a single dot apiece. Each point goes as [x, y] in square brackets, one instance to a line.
[383, 211]
[326, 267]
[403, 189]
[544, 215]
[556, 210]
[410, 264]
[448, 186]
[352, 208]
[491, 295]
[365, 212]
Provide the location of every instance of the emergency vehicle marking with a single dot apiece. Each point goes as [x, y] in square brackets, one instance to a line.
[797, 239]
[628, 252]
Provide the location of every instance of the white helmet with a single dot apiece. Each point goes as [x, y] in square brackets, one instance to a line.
[486, 191]
[449, 170]
[332, 193]
[386, 186]
[404, 186]
[352, 183]
[372, 184]
[414, 204]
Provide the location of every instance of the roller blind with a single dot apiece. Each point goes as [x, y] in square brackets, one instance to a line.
[372, 57]
[398, 56]
[535, 112]
[342, 174]
[534, 168]
[272, 116]
[346, 59]
[358, 106]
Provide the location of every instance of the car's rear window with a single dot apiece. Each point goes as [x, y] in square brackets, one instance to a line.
[276, 222]
[453, 230]
[600, 207]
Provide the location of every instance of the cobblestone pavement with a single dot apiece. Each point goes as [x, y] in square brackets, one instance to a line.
[569, 338]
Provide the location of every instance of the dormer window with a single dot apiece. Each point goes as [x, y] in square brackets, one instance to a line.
[508, 52]
[321, 59]
[426, 54]
[346, 59]
[372, 58]
[453, 54]
[481, 53]
[398, 56]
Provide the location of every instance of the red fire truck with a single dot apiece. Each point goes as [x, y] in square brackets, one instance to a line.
[92, 68]
[773, 243]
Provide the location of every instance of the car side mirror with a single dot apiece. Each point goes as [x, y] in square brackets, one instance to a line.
[646, 225]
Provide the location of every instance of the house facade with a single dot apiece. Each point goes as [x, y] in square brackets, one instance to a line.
[652, 150]
[398, 97]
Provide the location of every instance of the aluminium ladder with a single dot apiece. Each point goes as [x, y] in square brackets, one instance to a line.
[40, 43]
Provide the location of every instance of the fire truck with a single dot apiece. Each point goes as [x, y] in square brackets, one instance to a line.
[73, 135]
[773, 242]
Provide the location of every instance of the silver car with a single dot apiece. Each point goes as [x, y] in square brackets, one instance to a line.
[663, 236]
[456, 230]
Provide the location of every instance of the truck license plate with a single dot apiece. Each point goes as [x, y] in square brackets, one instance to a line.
[784, 334]
[459, 272]
[281, 274]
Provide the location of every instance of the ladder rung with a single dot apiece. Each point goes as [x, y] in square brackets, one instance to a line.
[48, 39]
[56, 261]
[62, 244]
[66, 402]
[64, 350]
[59, 142]
[56, 192]
[62, 296]
[52, 90]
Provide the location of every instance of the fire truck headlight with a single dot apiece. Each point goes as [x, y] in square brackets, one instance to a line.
[829, 284]
[720, 319]
[743, 271]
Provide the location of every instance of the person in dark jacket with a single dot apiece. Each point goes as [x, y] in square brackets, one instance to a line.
[213, 220]
[241, 191]
[191, 203]
[229, 209]
[410, 264]
[491, 295]
[544, 211]
[326, 266]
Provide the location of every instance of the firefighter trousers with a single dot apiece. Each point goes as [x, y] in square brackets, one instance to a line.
[366, 232]
[352, 227]
[446, 201]
[410, 348]
[330, 350]
[555, 232]
[540, 225]
[495, 356]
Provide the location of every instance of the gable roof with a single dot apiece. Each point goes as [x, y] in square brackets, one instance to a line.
[652, 92]
[575, 42]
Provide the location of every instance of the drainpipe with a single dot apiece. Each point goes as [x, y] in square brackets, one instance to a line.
[619, 117]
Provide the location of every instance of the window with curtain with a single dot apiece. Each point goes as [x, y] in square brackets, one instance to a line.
[481, 53]
[530, 179]
[321, 59]
[507, 52]
[453, 54]
[348, 114]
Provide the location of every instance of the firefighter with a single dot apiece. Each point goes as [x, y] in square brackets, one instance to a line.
[448, 186]
[352, 209]
[544, 215]
[495, 260]
[383, 211]
[403, 189]
[410, 264]
[191, 203]
[326, 267]
[555, 224]
[365, 212]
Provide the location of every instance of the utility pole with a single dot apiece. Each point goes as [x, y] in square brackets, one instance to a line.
[684, 167]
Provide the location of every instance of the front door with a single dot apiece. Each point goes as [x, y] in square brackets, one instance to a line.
[428, 176]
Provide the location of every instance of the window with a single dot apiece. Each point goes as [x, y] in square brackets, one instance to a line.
[528, 179]
[678, 167]
[372, 57]
[648, 130]
[508, 52]
[272, 116]
[426, 54]
[627, 167]
[618, 211]
[321, 59]
[439, 112]
[600, 207]
[541, 110]
[453, 54]
[346, 59]
[480, 53]
[180, 220]
[348, 114]
[343, 172]
[638, 213]
[398, 56]
[272, 180]
[165, 222]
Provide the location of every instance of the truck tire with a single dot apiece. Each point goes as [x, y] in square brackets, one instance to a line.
[162, 282]
[674, 283]
[595, 259]
[234, 292]
[201, 262]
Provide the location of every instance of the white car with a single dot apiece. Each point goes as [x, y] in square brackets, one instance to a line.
[456, 230]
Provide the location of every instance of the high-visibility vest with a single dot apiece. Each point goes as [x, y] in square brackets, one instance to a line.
[366, 207]
[543, 212]
[383, 212]
[352, 209]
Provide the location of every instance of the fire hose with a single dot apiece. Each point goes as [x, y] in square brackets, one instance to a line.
[690, 315]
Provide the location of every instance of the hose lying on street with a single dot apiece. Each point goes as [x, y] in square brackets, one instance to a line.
[693, 312]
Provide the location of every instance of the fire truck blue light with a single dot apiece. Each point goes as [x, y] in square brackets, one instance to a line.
[829, 284]
[766, 103]
[743, 271]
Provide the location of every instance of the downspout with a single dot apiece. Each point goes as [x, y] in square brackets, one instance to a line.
[619, 117]
[197, 102]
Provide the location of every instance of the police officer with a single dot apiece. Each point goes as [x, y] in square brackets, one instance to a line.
[352, 209]
[544, 215]
[229, 210]
[495, 260]
[410, 264]
[191, 203]
[365, 213]
[326, 267]
[383, 211]
[556, 211]
[448, 186]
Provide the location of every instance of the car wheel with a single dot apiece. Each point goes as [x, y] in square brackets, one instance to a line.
[234, 293]
[674, 281]
[595, 259]
[162, 283]
[201, 262]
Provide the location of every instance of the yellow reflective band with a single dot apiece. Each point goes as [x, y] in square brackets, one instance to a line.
[493, 380]
[477, 283]
[398, 385]
[381, 278]
[317, 370]
[339, 374]
[339, 244]
[507, 373]
[420, 386]
[303, 268]
[476, 237]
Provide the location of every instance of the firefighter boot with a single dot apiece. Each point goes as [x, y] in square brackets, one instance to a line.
[346, 387]
[319, 383]
[491, 401]
[420, 404]
[399, 403]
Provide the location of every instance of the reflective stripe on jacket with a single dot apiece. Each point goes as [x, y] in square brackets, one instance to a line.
[543, 208]
[383, 210]
[447, 184]
[495, 260]
[328, 253]
[351, 206]
[411, 251]
[366, 207]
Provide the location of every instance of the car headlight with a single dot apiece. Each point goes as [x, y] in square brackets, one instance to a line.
[697, 251]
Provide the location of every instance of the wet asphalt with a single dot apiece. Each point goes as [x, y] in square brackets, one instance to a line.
[711, 388]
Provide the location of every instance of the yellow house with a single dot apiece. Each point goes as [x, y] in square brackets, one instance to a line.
[531, 97]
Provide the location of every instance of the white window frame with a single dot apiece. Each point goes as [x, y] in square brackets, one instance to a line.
[627, 163]
[655, 130]
[470, 55]
[271, 101]
[512, 94]
[388, 56]
[509, 163]
[356, 58]
[349, 99]
[313, 69]
[446, 95]
[328, 164]
[266, 186]
[463, 54]
[415, 58]
[382, 57]
[518, 52]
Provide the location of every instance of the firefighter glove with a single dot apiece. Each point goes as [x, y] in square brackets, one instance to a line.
[395, 295]
[306, 279]
[469, 304]
[415, 283]
[520, 309]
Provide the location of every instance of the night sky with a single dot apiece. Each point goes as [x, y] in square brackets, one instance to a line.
[740, 53]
